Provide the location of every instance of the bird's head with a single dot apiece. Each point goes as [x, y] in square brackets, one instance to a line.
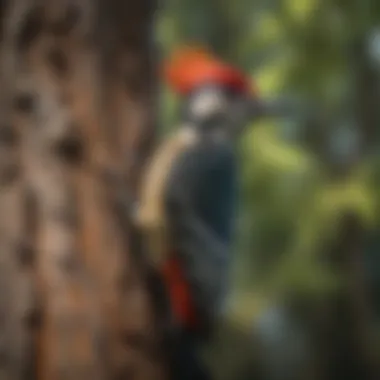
[218, 99]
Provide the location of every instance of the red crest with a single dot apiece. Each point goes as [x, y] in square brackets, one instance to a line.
[191, 67]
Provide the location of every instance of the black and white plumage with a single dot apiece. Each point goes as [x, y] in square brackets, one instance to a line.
[190, 193]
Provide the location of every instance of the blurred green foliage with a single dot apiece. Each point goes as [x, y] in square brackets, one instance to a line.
[291, 202]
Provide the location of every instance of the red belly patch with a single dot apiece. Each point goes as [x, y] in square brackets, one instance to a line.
[179, 293]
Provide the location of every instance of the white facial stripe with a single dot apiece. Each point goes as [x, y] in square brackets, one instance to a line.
[207, 103]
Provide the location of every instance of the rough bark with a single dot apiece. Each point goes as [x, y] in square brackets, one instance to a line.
[77, 103]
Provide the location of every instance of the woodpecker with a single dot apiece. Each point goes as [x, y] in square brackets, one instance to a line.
[189, 190]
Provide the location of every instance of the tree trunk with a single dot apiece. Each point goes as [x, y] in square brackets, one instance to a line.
[77, 103]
